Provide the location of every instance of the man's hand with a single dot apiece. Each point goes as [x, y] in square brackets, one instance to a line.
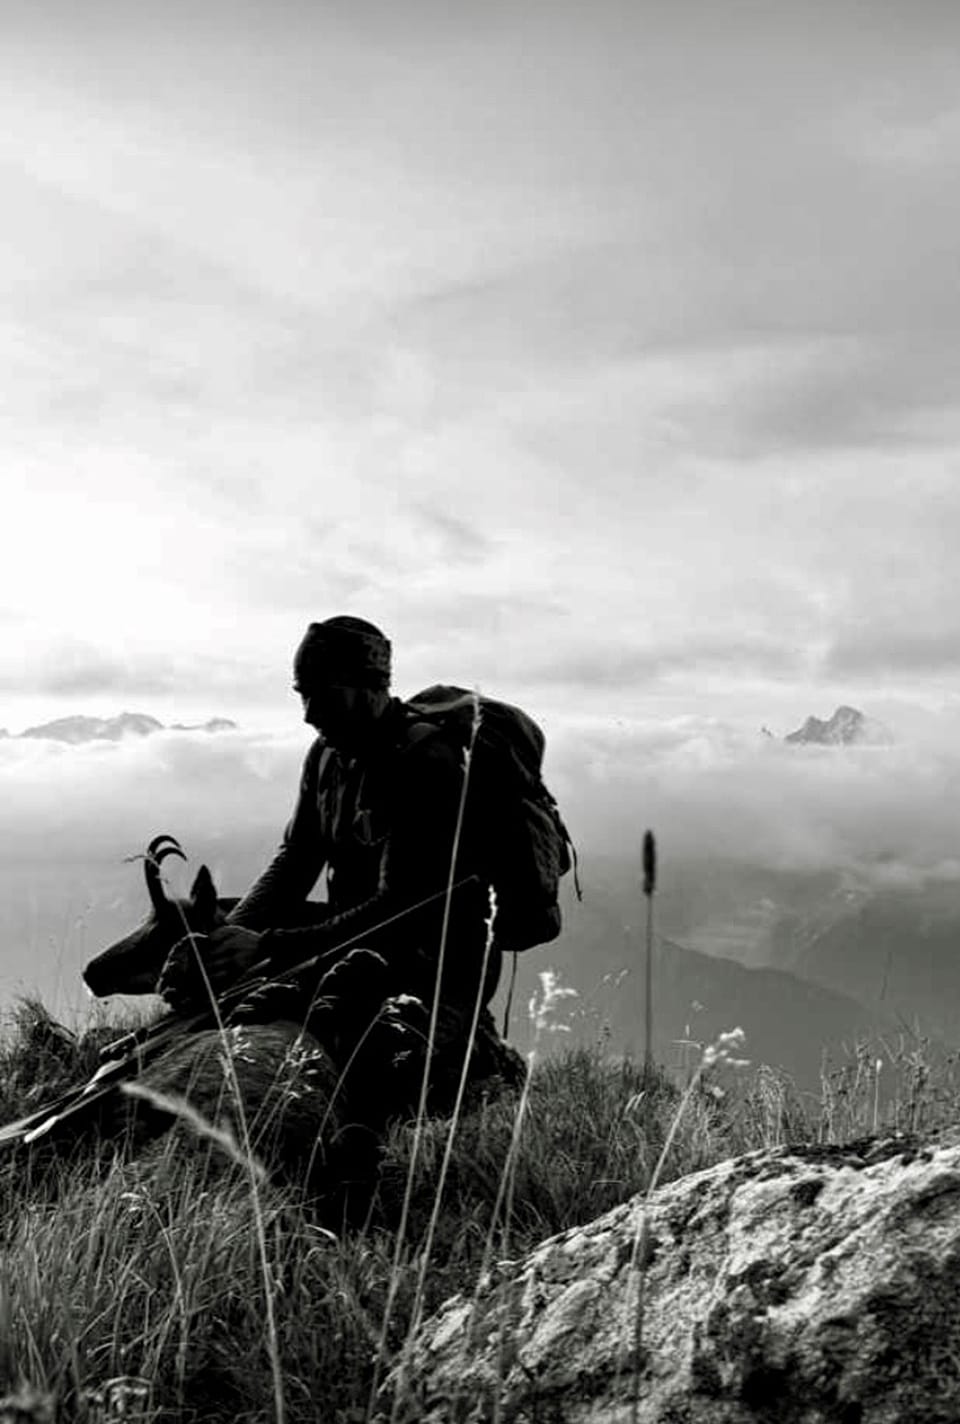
[225, 955]
[181, 979]
[228, 953]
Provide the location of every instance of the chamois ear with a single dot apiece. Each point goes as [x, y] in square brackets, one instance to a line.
[203, 895]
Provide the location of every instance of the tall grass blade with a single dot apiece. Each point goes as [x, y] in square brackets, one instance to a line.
[428, 1063]
[416, 1314]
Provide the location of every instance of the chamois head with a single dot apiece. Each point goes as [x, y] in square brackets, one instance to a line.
[132, 965]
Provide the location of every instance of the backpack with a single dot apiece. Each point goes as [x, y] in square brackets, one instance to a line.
[529, 847]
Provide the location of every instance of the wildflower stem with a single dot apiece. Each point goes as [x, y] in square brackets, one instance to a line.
[714, 1053]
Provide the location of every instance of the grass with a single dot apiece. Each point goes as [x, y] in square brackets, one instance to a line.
[143, 1281]
[183, 1285]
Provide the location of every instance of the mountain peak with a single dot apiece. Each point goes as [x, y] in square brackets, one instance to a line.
[213, 724]
[94, 729]
[846, 727]
[79, 729]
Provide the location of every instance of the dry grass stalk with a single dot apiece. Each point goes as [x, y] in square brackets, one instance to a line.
[719, 1052]
[254, 1171]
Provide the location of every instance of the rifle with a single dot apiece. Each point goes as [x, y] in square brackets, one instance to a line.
[126, 1057]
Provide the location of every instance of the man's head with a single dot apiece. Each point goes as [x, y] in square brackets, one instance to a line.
[342, 672]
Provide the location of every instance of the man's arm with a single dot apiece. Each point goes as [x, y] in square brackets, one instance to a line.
[231, 950]
[415, 864]
[299, 859]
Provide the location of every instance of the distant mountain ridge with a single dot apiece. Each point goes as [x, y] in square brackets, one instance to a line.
[79, 729]
[898, 951]
[847, 727]
[790, 1020]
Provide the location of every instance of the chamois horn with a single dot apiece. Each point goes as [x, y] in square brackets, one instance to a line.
[158, 849]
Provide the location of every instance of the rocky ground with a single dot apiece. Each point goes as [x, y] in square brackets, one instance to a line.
[814, 1285]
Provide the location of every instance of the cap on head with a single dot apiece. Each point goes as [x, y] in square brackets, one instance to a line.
[343, 650]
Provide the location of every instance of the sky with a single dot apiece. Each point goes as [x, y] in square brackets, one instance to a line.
[604, 354]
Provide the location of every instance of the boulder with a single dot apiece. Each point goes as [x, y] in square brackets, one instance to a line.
[803, 1285]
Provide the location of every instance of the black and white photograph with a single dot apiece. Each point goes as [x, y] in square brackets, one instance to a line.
[479, 711]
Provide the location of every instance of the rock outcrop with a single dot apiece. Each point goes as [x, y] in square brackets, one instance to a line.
[807, 1285]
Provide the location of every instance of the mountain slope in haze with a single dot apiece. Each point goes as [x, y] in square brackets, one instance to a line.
[789, 1022]
[78, 730]
[756, 914]
[847, 727]
[899, 951]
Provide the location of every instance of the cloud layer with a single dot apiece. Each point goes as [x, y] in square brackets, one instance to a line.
[712, 792]
[69, 817]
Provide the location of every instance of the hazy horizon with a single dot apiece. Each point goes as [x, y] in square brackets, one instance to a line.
[876, 819]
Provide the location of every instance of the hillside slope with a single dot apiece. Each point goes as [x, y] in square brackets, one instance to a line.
[790, 1022]
[900, 952]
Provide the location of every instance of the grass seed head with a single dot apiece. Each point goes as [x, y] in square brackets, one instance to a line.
[649, 863]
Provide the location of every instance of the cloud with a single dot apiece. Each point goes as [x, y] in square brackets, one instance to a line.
[711, 791]
[871, 392]
[102, 800]
[456, 540]
[617, 668]
[71, 816]
[297, 572]
[67, 665]
[68, 668]
[76, 667]
[707, 786]
[883, 650]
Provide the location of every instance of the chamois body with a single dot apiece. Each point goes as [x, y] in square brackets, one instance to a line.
[284, 1080]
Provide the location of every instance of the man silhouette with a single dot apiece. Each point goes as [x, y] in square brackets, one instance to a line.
[380, 813]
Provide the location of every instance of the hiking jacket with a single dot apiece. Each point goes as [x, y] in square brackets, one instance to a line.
[381, 827]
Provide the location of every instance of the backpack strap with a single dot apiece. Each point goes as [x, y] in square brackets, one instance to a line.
[416, 729]
[509, 1004]
[418, 732]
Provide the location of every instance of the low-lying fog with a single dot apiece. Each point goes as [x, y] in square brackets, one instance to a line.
[884, 816]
